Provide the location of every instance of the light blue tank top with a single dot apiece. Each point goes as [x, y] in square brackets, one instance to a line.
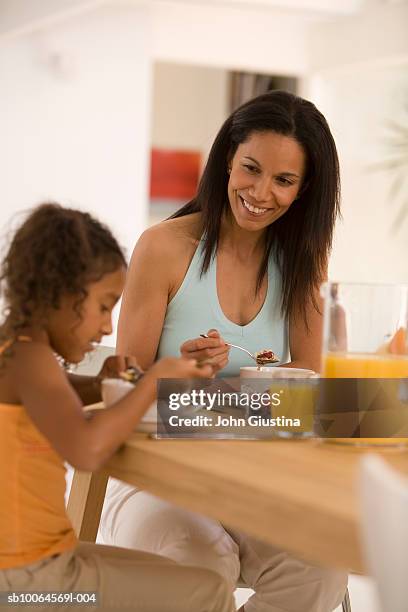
[195, 309]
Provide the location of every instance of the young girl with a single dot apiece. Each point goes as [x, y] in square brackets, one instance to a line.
[62, 276]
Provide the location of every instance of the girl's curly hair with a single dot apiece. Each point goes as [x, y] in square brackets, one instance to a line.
[54, 252]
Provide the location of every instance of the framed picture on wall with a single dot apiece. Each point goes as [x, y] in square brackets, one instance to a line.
[174, 176]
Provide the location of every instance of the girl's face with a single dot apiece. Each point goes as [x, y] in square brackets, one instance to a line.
[72, 335]
[266, 175]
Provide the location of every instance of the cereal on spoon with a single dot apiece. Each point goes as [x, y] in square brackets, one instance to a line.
[265, 357]
[131, 374]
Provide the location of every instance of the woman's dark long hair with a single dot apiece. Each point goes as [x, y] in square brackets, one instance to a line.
[301, 239]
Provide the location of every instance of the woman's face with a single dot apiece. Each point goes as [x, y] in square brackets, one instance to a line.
[266, 175]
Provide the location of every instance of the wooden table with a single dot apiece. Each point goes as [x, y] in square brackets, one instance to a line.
[298, 495]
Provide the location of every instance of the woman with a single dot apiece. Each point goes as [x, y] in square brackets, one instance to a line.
[246, 256]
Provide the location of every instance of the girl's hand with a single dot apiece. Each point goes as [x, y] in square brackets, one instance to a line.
[175, 367]
[115, 364]
[212, 350]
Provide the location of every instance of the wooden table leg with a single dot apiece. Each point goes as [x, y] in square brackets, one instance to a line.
[85, 503]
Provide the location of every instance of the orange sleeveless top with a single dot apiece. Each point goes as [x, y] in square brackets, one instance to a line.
[33, 519]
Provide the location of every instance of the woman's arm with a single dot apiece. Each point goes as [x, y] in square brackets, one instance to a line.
[305, 342]
[145, 298]
[157, 268]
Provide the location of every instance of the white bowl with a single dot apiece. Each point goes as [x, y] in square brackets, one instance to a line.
[274, 372]
[113, 389]
[256, 379]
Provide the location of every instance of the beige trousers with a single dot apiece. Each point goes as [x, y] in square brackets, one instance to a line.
[124, 580]
[281, 582]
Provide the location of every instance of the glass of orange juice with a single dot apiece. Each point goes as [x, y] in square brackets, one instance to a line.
[364, 386]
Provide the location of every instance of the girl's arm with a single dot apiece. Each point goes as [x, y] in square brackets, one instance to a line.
[56, 410]
[89, 387]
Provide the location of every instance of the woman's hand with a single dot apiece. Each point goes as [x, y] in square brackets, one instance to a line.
[115, 364]
[211, 350]
[176, 367]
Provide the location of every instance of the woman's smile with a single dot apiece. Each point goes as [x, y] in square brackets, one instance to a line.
[252, 208]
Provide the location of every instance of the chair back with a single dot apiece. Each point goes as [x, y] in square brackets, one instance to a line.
[384, 507]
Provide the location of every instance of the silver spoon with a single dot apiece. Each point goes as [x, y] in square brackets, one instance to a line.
[259, 361]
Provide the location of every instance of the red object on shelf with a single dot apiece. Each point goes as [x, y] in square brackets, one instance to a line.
[174, 174]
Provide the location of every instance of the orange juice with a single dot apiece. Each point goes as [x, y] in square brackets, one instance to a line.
[297, 401]
[358, 365]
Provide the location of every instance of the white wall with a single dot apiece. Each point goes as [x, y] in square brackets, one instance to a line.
[358, 104]
[359, 79]
[242, 38]
[376, 34]
[189, 105]
[18, 16]
[74, 117]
